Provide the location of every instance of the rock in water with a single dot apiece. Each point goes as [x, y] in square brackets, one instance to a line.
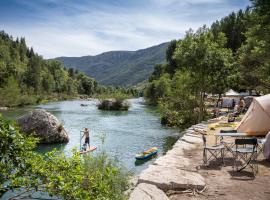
[113, 104]
[45, 125]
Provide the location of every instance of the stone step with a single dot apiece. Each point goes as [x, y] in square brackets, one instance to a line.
[168, 178]
[145, 191]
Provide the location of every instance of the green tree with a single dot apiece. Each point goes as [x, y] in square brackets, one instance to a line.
[254, 56]
[204, 57]
[10, 93]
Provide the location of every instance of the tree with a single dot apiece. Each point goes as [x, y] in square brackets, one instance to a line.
[204, 57]
[67, 177]
[234, 27]
[254, 56]
[171, 64]
[10, 93]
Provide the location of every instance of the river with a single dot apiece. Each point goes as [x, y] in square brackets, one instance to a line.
[126, 132]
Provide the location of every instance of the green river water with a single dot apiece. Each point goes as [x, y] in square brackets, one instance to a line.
[126, 132]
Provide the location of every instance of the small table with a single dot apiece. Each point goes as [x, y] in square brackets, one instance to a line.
[231, 135]
[241, 135]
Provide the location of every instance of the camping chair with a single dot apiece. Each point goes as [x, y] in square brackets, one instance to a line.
[245, 152]
[260, 146]
[215, 151]
[228, 145]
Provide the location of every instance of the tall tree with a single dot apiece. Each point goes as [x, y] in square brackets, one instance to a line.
[204, 57]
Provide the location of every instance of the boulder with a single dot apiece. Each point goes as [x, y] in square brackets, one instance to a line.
[191, 139]
[145, 191]
[170, 178]
[175, 162]
[45, 125]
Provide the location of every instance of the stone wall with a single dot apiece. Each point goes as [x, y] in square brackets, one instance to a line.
[173, 171]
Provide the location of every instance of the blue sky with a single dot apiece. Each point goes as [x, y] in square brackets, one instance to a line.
[89, 27]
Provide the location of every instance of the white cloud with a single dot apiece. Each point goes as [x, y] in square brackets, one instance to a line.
[94, 28]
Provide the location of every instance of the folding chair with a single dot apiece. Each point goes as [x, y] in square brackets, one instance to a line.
[245, 152]
[215, 151]
[260, 146]
[228, 145]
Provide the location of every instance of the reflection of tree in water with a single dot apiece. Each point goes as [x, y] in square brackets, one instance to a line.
[168, 143]
[43, 148]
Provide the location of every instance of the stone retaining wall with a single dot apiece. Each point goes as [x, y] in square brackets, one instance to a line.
[171, 172]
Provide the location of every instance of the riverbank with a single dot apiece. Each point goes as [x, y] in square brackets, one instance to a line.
[138, 128]
[180, 174]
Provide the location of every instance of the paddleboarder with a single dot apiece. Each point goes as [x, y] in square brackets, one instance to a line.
[86, 134]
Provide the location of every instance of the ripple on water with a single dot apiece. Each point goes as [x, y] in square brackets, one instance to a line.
[127, 132]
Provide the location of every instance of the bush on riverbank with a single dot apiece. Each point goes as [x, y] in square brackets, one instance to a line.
[68, 177]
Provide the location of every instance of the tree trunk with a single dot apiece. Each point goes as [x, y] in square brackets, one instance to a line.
[201, 107]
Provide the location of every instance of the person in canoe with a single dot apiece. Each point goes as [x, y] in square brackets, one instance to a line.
[86, 134]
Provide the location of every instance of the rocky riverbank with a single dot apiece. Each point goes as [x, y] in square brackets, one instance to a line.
[172, 173]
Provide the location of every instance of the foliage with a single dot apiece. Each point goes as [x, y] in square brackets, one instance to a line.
[119, 68]
[55, 174]
[114, 101]
[178, 108]
[234, 27]
[254, 56]
[199, 64]
[233, 53]
[25, 77]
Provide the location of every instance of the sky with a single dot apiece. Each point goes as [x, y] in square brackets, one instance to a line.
[89, 27]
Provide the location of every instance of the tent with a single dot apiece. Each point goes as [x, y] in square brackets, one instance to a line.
[232, 93]
[229, 96]
[257, 119]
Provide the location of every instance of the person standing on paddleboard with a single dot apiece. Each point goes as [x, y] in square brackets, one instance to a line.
[86, 134]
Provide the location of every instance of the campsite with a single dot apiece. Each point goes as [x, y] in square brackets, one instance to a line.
[135, 100]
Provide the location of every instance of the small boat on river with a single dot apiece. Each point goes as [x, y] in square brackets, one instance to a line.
[147, 154]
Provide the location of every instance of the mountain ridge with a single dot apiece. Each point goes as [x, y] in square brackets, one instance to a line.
[119, 68]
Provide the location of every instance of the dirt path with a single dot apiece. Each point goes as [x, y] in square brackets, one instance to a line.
[225, 184]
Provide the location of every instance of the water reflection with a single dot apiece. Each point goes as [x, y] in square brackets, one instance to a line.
[127, 132]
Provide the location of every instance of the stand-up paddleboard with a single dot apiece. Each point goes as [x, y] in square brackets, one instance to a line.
[89, 149]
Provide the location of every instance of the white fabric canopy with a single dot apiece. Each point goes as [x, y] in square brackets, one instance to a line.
[232, 93]
[257, 119]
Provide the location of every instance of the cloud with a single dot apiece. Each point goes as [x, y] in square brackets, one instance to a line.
[63, 28]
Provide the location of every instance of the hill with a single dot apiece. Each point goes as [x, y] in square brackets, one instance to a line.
[119, 68]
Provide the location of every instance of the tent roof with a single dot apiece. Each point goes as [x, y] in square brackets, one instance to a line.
[264, 101]
[256, 121]
[232, 93]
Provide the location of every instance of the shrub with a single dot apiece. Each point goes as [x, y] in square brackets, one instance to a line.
[55, 174]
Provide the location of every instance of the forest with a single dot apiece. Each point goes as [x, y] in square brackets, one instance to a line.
[27, 78]
[232, 53]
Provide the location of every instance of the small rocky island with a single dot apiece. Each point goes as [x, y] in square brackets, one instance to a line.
[45, 125]
[113, 104]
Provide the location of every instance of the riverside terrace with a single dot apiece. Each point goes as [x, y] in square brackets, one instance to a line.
[181, 173]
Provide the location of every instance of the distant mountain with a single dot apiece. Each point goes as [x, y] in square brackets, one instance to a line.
[119, 68]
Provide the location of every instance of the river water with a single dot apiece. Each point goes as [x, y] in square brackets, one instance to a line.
[126, 132]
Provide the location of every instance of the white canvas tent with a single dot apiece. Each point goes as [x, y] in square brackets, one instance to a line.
[257, 119]
[232, 93]
[229, 96]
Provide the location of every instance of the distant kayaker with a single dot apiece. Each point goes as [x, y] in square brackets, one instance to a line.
[86, 134]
